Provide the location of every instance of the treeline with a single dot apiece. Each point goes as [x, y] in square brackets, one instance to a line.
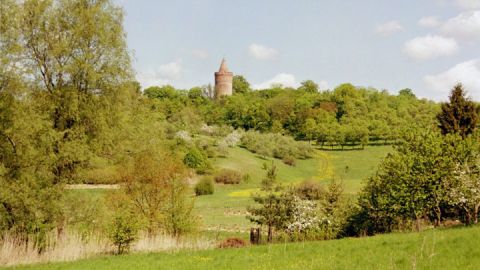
[345, 116]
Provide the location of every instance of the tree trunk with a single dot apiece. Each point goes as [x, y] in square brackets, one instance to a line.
[417, 224]
[468, 216]
[475, 213]
[270, 234]
[438, 213]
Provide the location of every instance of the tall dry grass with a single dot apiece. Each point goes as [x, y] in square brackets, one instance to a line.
[72, 246]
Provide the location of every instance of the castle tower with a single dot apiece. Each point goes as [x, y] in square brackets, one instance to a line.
[223, 81]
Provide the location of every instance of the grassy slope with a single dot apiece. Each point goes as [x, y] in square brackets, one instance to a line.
[435, 249]
[225, 209]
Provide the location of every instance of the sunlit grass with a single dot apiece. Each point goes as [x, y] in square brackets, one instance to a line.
[433, 249]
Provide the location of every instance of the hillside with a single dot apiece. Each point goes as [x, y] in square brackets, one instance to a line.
[433, 249]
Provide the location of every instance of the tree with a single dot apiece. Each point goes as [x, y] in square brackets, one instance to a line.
[161, 92]
[309, 86]
[240, 85]
[274, 211]
[459, 116]
[411, 182]
[157, 188]
[407, 92]
[270, 179]
[124, 225]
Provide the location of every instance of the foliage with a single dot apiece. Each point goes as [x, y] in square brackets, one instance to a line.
[273, 210]
[156, 186]
[123, 231]
[304, 216]
[270, 180]
[309, 190]
[459, 116]
[228, 177]
[412, 183]
[275, 145]
[196, 159]
[240, 85]
[204, 187]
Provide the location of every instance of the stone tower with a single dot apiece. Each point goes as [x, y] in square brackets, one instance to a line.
[223, 81]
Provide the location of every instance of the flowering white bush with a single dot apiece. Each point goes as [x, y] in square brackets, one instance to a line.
[183, 135]
[206, 129]
[305, 216]
[233, 138]
[464, 189]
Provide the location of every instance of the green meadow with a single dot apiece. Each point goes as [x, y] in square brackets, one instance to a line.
[225, 209]
[433, 249]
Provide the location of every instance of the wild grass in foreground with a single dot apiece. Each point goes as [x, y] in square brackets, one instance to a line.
[434, 249]
[72, 246]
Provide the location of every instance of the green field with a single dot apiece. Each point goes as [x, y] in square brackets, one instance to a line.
[225, 209]
[434, 249]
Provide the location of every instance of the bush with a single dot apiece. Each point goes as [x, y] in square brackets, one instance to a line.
[195, 159]
[309, 190]
[233, 242]
[290, 161]
[227, 176]
[204, 187]
[123, 228]
[275, 145]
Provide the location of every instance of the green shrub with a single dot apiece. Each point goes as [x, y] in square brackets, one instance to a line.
[123, 230]
[229, 177]
[309, 190]
[196, 159]
[204, 187]
[290, 161]
[276, 145]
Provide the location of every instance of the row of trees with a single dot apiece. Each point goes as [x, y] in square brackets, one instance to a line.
[347, 115]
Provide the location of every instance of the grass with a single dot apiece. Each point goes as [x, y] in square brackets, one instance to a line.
[225, 210]
[434, 249]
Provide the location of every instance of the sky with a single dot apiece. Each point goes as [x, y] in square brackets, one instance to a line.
[425, 45]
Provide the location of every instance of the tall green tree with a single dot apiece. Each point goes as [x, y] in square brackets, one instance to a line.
[309, 86]
[459, 115]
[240, 85]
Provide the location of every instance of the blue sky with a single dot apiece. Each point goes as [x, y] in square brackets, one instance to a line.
[426, 45]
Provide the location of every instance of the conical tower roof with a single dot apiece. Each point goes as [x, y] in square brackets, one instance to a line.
[223, 67]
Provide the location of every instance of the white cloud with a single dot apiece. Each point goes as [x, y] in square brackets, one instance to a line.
[164, 74]
[389, 28]
[429, 22]
[262, 52]
[323, 85]
[200, 53]
[464, 26]
[468, 4]
[285, 79]
[467, 73]
[430, 47]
